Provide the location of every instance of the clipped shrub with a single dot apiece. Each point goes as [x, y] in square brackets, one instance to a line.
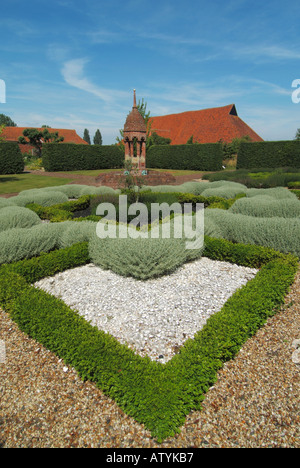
[26, 243]
[164, 188]
[40, 197]
[224, 189]
[17, 217]
[4, 202]
[294, 185]
[269, 154]
[282, 234]
[296, 193]
[48, 264]
[274, 192]
[162, 395]
[267, 207]
[204, 157]
[195, 188]
[71, 190]
[77, 232]
[62, 211]
[73, 157]
[77, 190]
[140, 258]
[50, 213]
[11, 159]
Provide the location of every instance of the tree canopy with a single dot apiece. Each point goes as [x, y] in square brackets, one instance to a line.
[98, 138]
[37, 138]
[7, 121]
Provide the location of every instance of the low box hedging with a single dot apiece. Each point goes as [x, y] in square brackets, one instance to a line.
[62, 211]
[202, 157]
[11, 159]
[296, 192]
[162, 394]
[72, 157]
[269, 154]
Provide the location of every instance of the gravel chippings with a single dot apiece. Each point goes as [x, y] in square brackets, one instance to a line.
[153, 317]
[255, 402]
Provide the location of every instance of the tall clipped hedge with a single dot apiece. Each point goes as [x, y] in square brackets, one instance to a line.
[72, 157]
[269, 154]
[11, 160]
[198, 157]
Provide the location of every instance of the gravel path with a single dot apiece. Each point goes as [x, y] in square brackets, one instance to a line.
[255, 402]
[154, 317]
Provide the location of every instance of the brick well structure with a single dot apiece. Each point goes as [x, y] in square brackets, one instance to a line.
[135, 132]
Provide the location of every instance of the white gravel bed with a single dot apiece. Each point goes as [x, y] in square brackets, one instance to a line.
[154, 317]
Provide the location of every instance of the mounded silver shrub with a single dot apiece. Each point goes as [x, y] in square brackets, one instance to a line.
[102, 190]
[40, 197]
[193, 187]
[140, 258]
[267, 207]
[70, 190]
[282, 234]
[274, 192]
[17, 217]
[27, 243]
[75, 232]
[224, 189]
[4, 202]
[163, 188]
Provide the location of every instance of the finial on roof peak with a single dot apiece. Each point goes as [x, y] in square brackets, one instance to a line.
[134, 98]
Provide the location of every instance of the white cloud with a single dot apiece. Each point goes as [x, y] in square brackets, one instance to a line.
[73, 73]
[261, 52]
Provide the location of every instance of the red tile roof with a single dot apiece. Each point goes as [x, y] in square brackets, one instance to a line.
[70, 136]
[206, 126]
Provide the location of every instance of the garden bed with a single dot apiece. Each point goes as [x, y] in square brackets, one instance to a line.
[163, 394]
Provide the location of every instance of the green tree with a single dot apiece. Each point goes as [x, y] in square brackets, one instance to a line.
[98, 138]
[232, 148]
[86, 136]
[155, 139]
[2, 127]
[191, 141]
[297, 136]
[37, 138]
[7, 121]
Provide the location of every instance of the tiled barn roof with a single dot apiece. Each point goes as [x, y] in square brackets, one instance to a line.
[70, 136]
[206, 126]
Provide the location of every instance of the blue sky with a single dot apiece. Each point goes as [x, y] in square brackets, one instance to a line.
[74, 64]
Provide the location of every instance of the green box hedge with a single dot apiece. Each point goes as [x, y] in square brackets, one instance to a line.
[162, 394]
[72, 157]
[11, 159]
[197, 157]
[269, 154]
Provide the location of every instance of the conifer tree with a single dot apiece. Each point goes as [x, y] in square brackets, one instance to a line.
[98, 138]
[86, 136]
